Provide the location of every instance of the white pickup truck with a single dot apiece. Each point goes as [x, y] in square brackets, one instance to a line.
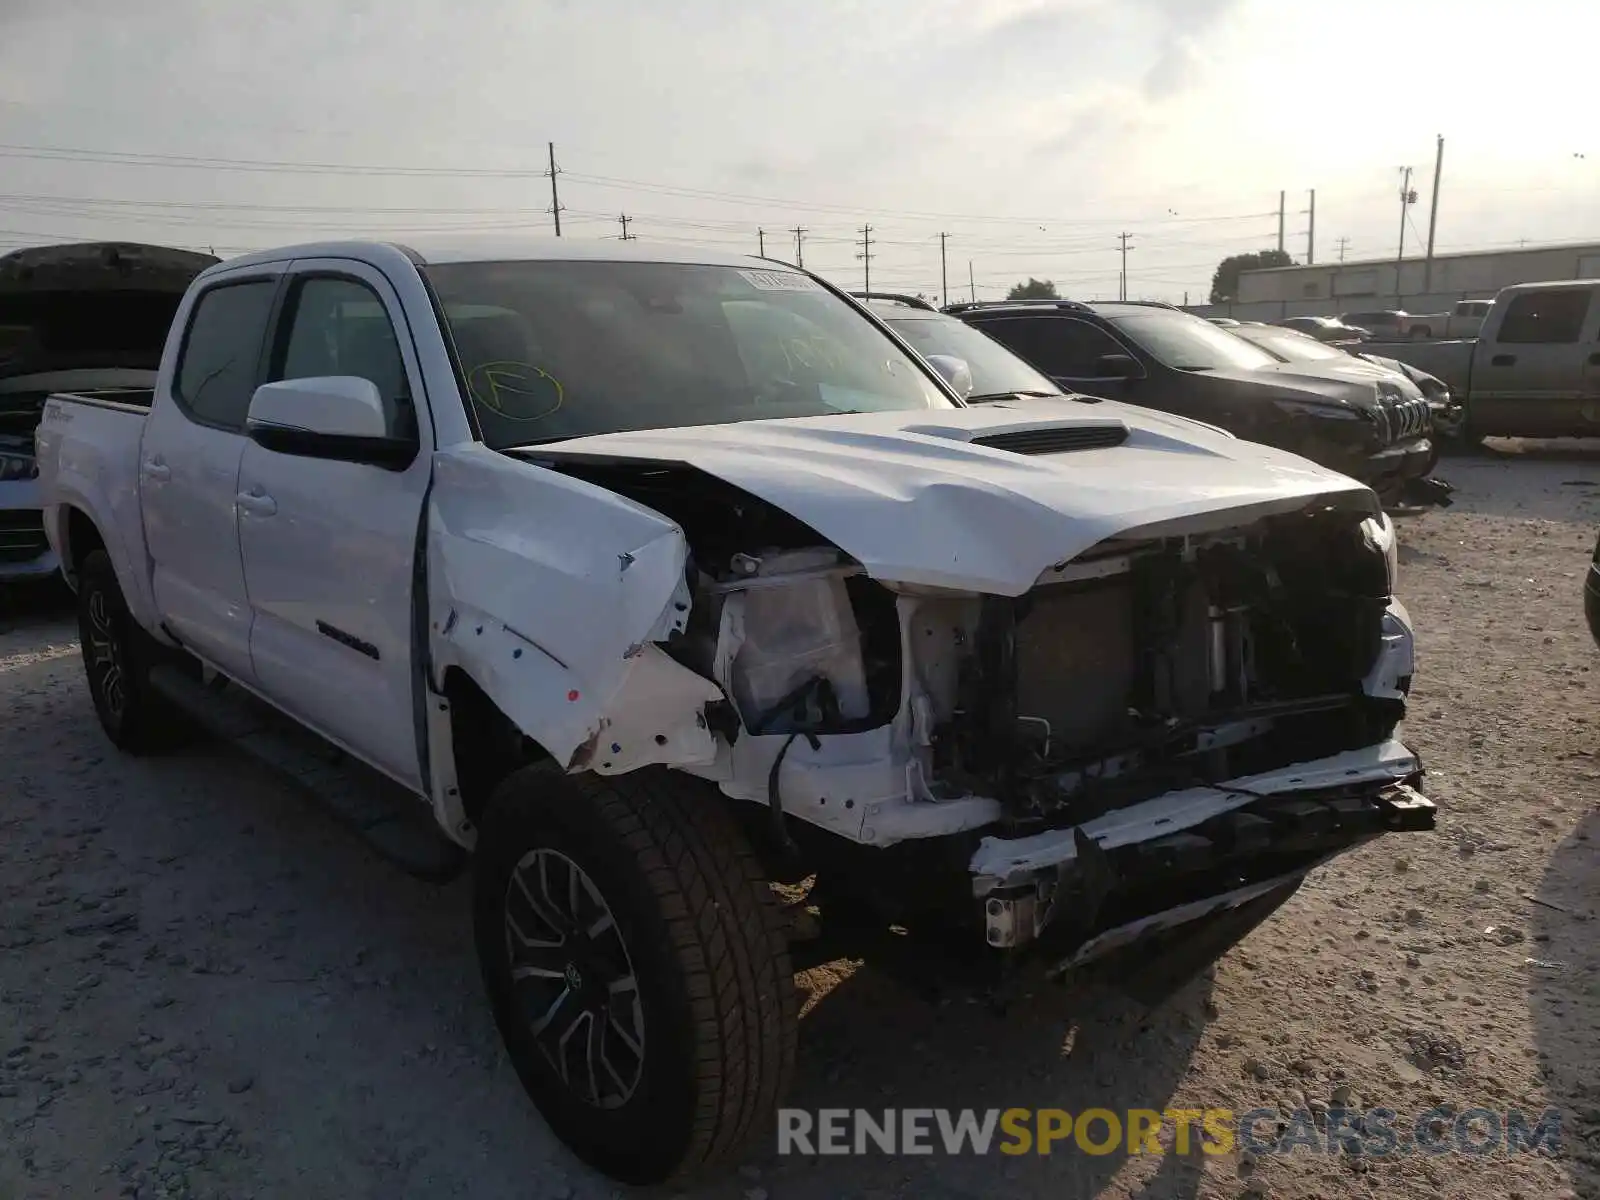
[658, 577]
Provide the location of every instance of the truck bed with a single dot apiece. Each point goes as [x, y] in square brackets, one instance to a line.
[110, 397]
[88, 450]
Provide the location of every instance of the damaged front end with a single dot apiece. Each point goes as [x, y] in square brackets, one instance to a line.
[1159, 728]
[1176, 724]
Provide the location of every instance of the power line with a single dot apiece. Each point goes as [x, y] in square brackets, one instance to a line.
[626, 236]
[866, 257]
[799, 240]
[1122, 289]
[288, 166]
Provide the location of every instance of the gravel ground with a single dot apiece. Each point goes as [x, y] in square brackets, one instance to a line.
[207, 988]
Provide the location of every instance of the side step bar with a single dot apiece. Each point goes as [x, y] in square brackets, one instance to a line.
[393, 821]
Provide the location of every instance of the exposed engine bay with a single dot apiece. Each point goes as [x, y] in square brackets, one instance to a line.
[933, 723]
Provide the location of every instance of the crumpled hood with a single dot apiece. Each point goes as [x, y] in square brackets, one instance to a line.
[911, 498]
[1287, 381]
[1363, 375]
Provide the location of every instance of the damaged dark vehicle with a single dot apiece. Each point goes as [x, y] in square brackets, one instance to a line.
[657, 579]
[1368, 424]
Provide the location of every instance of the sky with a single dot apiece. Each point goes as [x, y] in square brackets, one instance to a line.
[1032, 133]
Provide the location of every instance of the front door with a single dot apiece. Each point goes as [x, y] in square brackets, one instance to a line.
[189, 469]
[329, 546]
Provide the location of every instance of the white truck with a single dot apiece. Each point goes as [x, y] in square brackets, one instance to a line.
[654, 577]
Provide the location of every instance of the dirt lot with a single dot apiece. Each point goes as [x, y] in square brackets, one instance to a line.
[209, 989]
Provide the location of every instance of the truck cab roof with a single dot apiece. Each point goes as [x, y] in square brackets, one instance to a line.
[425, 251]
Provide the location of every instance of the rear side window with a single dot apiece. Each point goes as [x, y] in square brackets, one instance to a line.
[222, 352]
[1545, 318]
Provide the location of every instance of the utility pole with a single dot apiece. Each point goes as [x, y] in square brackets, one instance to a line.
[1343, 242]
[626, 236]
[761, 242]
[1407, 198]
[555, 200]
[1122, 286]
[1283, 198]
[866, 257]
[971, 286]
[1433, 215]
[799, 236]
[1311, 231]
[944, 273]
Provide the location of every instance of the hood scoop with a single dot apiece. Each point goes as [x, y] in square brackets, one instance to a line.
[1058, 440]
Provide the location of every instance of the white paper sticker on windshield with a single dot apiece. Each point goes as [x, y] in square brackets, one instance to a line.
[781, 281]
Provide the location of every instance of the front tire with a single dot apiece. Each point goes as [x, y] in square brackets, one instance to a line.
[117, 657]
[636, 962]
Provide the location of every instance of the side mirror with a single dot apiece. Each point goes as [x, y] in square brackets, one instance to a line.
[953, 371]
[338, 417]
[1115, 366]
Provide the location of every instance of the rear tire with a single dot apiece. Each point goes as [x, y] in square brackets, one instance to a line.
[636, 963]
[117, 657]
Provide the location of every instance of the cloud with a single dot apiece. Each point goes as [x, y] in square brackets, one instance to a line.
[1179, 67]
[1180, 62]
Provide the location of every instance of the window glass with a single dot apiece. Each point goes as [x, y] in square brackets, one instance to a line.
[995, 369]
[340, 327]
[222, 351]
[1547, 318]
[1187, 343]
[1063, 347]
[560, 349]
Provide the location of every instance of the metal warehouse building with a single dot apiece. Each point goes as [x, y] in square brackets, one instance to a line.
[1415, 285]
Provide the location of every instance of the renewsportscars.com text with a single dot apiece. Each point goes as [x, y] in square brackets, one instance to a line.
[1374, 1132]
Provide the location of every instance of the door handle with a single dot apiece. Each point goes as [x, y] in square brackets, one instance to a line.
[1503, 360]
[256, 503]
[157, 471]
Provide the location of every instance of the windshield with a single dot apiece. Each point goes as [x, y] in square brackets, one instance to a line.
[1289, 347]
[995, 370]
[554, 350]
[1187, 343]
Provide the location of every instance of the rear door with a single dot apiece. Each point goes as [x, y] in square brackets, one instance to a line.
[329, 547]
[189, 467]
[1529, 374]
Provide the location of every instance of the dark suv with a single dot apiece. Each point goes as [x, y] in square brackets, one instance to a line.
[1369, 425]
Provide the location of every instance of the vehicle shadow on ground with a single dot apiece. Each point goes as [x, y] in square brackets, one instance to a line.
[1564, 994]
[25, 605]
[329, 1007]
[866, 1042]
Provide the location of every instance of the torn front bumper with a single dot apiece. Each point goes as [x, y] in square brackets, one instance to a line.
[1083, 891]
[1392, 469]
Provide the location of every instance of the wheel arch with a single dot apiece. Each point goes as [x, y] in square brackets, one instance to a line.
[78, 538]
[486, 745]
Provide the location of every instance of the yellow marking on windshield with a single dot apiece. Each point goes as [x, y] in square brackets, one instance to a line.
[506, 386]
